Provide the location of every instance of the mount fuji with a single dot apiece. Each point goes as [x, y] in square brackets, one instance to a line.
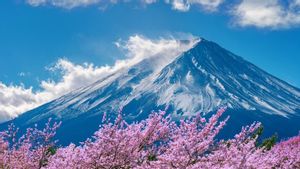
[201, 79]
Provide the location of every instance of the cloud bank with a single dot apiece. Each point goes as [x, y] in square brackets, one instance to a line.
[180, 5]
[69, 4]
[17, 99]
[184, 5]
[267, 13]
[272, 14]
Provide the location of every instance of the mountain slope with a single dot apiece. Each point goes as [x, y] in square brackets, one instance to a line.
[201, 79]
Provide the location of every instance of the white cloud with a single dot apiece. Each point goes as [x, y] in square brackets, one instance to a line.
[184, 5]
[273, 14]
[36, 2]
[267, 13]
[70, 4]
[149, 1]
[15, 100]
[138, 47]
[22, 74]
[181, 5]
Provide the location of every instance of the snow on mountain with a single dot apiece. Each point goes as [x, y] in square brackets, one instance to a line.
[207, 76]
[200, 79]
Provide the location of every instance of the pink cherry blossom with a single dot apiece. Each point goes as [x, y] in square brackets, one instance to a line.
[157, 142]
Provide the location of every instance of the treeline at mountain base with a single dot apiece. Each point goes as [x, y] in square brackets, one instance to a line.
[155, 143]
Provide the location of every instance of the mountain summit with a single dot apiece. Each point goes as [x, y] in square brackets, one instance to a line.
[200, 79]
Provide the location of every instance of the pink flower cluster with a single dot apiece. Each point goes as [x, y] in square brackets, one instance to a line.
[157, 142]
[30, 151]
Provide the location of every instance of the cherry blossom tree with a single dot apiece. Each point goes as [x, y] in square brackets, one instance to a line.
[156, 142]
[31, 150]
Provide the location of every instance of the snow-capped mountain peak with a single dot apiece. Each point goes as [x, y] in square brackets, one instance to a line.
[200, 78]
[205, 75]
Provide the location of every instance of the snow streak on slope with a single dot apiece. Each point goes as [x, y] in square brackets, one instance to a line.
[200, 78]
[16, 99]
[118, 88]
[222, 78]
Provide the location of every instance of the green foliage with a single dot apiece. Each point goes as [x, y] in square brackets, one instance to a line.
[267, 143]
[258, 132]
[51, 151]
[152, 157]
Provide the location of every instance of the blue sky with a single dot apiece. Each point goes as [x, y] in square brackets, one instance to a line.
[35, 34]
